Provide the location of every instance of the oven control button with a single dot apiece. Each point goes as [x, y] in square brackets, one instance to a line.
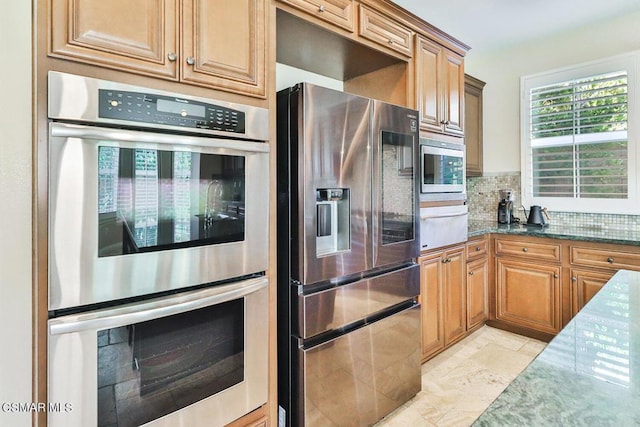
[183, 113]
[113, 103]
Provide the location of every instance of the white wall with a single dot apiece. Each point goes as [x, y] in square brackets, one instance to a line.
[15, 216]
[502, 71]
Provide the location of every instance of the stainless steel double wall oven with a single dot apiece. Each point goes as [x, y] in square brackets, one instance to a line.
[158, 243]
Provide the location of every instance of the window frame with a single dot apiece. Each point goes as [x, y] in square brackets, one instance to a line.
[629, 62]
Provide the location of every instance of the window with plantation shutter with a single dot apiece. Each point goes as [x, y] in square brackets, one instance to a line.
[576, 138]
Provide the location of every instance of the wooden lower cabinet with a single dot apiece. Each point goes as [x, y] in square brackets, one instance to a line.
[431, 304]
[528, 295]
[477, 292]
[443, 299]
[585, 284]
[455, 296]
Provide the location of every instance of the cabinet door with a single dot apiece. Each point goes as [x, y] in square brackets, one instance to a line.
[473, 130]
[584, 285]
[431, 303]
[453, 93]
[477, 292]
[387, 33]
[455, 296]
[528, 295]
[224, 45]
[336, 12]
[134, 36]
[428, 83]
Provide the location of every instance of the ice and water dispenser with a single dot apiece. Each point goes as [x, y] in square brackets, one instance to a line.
[333, 218]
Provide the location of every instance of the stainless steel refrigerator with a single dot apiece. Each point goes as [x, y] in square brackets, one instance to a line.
[348, 316]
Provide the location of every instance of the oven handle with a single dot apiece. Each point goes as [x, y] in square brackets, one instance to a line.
[93, 132]
[425, 217]
[161, 307]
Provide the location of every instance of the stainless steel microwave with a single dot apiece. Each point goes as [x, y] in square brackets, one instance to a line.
[442, 167]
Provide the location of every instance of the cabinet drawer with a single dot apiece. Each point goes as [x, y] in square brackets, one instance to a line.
[477, 248]
[382, 30]
[336, 12]
[605, 258]
[529, 249]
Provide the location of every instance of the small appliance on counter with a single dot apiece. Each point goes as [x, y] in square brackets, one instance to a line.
[505, 207]
[537, 215]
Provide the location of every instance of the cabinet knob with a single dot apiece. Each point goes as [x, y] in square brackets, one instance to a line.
[610, 260]
[321, 8]
[190, 60]
[525, 250]
[471, 273]
[390, 41]
[478, 249]
[574, 279]
[555, 275]
[172, 56]
[445, 122]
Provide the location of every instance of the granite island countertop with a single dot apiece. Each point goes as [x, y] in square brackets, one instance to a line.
[589, 234]
[589, 374]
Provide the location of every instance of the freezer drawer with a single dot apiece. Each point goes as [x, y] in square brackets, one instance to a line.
[340, 306]
[358, 378]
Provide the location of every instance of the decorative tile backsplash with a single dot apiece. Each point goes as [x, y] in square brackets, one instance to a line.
[483, 198]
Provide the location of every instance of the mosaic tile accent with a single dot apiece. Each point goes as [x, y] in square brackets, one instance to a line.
[483, 198]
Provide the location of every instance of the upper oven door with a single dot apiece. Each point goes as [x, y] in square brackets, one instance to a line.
[443, 169]
[133, 213]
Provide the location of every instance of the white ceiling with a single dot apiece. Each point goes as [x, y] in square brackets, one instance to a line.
[488, 25]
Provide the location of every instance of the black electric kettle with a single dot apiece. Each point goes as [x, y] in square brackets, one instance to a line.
[536, 216]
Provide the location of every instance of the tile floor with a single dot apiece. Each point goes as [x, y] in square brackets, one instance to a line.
[459, 383]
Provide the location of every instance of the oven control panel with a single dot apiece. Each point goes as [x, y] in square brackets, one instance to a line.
[167, 110]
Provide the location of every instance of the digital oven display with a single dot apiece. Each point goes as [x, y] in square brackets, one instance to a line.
[176, 107]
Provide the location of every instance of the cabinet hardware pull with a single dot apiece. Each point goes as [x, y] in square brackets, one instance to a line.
[555, 275]
[478, 249]
[471, 273]
[574, 279]
[610, 260]
[321, 8]
[172, 57]
[390, 41]
[190, 60]
[525, 250]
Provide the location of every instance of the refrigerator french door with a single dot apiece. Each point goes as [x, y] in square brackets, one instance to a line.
[348, 319]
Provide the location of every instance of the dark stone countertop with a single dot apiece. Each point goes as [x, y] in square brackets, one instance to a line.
[589, 374]
[624, 237]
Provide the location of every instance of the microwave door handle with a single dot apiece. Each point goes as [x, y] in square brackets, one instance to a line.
[150, 310]
[425, 217]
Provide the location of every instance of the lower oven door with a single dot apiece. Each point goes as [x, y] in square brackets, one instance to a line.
[132, 213]
[191, 359]
[358, 378]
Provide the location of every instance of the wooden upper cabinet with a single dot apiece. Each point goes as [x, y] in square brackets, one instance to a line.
[429, 101]
[221, 43]
[224, 44]
[387, 33]
[336, 12]
[138, 36]
[473, 130]
[440, 88]
[453, 93]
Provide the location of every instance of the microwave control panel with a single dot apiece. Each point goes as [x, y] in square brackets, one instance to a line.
[166, 110]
